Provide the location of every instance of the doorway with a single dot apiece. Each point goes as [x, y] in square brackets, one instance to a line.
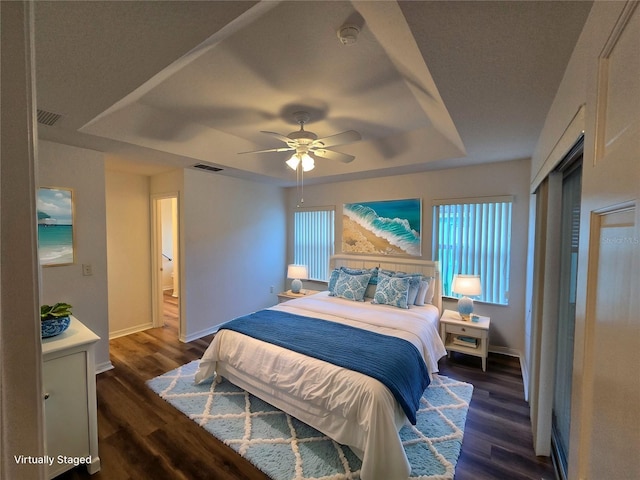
[166, 263]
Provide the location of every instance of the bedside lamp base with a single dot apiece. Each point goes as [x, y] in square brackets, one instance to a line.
[465, 308]
[296, 286]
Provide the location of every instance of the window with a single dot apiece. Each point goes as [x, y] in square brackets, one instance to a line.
[313, 240]
[473, 237]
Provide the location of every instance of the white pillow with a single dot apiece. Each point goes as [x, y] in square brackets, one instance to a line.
[423, 288]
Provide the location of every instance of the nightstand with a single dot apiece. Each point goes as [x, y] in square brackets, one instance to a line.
[289, 295]
[471, 338]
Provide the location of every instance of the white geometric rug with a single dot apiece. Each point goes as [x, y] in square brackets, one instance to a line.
[287, 449]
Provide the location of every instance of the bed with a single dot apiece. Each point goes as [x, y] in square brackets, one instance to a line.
[353, 408]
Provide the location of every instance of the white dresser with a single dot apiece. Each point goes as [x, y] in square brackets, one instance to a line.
[69, 386]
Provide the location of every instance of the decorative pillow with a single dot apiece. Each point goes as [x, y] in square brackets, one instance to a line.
[359, 271]
[354, 271]
[390, 273]
[371, 289]
[374, 276]
[352, 287]
[422, 291]
[430, 291]
[333, 278]
[414, 284]
[392, 291]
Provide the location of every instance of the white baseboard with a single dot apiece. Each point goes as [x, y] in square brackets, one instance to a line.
[200, 334]
[103, 367]
[504, 351]
[525, 377]
[130, 330]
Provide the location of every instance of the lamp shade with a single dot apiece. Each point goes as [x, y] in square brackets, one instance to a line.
[297, 272]
[467, 285]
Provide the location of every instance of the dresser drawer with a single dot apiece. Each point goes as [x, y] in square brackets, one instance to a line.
[464, 330]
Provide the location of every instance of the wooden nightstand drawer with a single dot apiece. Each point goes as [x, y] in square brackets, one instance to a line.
[462, 330]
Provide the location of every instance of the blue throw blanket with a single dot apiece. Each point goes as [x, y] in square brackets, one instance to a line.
[393, 361]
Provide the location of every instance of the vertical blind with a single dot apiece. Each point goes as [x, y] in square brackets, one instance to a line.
[313, 244]
[473, 237]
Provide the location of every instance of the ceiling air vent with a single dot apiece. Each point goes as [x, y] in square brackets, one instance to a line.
[209, 168]
[48, 118]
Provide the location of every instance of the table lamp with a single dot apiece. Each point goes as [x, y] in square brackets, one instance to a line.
[466, 285]
[297, 272]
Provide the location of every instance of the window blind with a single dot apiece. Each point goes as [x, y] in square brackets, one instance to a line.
[473, 237]
[314, 232]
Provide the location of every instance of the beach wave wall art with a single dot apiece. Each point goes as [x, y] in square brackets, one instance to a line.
[390, 227]
[55, 226]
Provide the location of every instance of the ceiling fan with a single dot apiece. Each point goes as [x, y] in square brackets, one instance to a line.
[306, 145]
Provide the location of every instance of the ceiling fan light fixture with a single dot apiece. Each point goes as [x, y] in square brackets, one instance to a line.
[307, 163]
[303, 159]
[303, 143]
[293, 162]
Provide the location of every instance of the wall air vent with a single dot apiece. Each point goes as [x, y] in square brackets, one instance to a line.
[48, 118]
[209, 168]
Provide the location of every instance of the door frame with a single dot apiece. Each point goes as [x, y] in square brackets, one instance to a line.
[156, 260]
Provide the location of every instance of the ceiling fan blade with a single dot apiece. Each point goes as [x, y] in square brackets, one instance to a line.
[338, 139]
[278, 136]
[282, 149]
[331, 155]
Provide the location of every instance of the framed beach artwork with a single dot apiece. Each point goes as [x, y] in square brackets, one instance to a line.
[390, 227]
[55, 226]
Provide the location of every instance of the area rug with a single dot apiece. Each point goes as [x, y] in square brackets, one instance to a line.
[287, 449]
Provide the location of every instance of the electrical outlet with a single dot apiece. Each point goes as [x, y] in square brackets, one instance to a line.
[87, 269]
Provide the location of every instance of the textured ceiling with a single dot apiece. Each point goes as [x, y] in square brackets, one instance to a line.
[163, 85]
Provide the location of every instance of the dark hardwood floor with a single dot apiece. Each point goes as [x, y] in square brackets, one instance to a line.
[142, 437]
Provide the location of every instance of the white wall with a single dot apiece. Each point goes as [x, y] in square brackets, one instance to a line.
[128, 252]
[233, 243]
[504, 178]
[83, 171]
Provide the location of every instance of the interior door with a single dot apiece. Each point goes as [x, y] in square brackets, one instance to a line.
[605, 410]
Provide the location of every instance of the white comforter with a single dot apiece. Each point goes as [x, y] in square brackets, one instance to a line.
[349, 407]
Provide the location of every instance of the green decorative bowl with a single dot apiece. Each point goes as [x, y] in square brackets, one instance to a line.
[54, 326]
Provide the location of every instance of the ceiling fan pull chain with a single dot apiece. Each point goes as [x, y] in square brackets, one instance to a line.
[298, 183]
[301, 183]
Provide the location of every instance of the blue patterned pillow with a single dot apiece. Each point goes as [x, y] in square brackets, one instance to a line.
[392, 291]
[359, 271]
[374, 276]
[352, 287]
[333, 278]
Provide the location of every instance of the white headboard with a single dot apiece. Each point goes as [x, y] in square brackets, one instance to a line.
[428, 268]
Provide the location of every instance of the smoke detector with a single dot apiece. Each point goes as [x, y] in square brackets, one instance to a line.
[348, 34]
